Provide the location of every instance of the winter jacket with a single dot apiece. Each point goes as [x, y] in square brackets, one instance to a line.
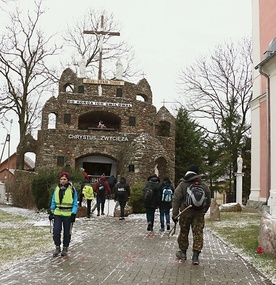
[122, 191]
[107, 190]
[154, 184]
[181, 191]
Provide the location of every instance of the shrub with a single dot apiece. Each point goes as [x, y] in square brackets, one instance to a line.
[136, 199]
[46, 181]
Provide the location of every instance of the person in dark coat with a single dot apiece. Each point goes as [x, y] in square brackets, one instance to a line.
[165, 203]
[102, 189]
[122, 195]
[191, 218]
[151, 199]
[112, 182]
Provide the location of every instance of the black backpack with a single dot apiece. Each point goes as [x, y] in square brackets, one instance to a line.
[148, 194]
[121, 191]
[195, 196]
[101, 187]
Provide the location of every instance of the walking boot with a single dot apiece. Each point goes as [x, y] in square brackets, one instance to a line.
[57, 251]
[181, 254]
[64, 251]
[195, 260]
[149, 228]
[168, 226]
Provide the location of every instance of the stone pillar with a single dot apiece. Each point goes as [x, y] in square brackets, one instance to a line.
[239, 187]
[239, 176]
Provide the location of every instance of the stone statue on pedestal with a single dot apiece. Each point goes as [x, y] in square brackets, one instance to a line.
[239, 164]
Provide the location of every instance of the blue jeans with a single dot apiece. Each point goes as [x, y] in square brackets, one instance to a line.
[59, 222]
[164, 212]
[150, 215]
[100, 202]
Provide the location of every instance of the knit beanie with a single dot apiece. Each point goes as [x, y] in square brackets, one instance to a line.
[193, 168]
[65, 174]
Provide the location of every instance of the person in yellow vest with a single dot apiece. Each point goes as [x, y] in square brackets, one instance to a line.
[88, 194]
[63, 210]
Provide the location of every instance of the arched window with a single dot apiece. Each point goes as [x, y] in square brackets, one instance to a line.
[52, 118]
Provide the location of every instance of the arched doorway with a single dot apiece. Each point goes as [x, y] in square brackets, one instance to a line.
[97, 165]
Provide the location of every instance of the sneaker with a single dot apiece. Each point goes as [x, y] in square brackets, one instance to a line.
[168, 227]
[103, 213]
[98, 214]
[181, 254]
[162, 230]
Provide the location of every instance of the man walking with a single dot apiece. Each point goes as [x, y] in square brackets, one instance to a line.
[191, 191]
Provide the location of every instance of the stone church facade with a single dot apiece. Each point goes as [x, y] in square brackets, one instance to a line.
[136, 140]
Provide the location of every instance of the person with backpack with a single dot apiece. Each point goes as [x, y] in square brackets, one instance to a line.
[191, 191]
[101, 189]
[112, 182]
[151, 194]
[166, 198]
[88, 194]
[122, 195]
[63, 210]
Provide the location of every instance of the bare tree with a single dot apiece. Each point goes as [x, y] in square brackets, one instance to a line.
[218, 89]
[89, 45]
[23, 50]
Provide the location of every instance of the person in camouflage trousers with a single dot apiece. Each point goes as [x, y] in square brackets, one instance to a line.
[192, 217]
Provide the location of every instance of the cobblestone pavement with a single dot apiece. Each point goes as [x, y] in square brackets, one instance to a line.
[111, 251]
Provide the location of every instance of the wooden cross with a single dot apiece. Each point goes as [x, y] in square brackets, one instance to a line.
[101, 32]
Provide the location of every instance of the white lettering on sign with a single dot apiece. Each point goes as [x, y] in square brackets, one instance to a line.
[103, 82]
[93, 103]
[94, 138]
[82, 137]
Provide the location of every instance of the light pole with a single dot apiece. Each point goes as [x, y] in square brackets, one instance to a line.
[8, 139]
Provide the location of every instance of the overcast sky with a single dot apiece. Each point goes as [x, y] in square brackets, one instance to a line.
[166, 36]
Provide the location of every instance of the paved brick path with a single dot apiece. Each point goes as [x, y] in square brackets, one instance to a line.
[105, 250]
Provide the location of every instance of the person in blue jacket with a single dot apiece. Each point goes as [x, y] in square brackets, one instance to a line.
[63, 210]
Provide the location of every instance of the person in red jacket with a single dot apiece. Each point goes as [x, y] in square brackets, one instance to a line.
[102, 189]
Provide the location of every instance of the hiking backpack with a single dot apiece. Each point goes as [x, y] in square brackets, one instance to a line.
[101, 186]
[167, 194]
[195, 196]
[148, 194]
[121, 191]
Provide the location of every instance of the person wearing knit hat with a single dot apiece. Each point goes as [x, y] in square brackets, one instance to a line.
[193, 217]
[63, 210]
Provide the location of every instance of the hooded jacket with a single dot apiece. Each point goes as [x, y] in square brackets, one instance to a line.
[181, 192]
[154, 184]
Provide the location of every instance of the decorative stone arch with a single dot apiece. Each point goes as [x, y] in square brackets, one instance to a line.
[142, 97]
[68, 87]
[162, 166]
[97, 164]
[91, 120]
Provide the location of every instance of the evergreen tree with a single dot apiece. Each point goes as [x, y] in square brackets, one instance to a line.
[190, 146]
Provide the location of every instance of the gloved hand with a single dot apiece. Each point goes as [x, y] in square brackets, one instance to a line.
[175, 220]
[73, 218]
[51, 216]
